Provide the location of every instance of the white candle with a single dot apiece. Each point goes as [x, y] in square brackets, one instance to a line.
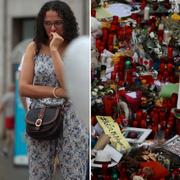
[146, 13]
[166, 36]
[161, 26]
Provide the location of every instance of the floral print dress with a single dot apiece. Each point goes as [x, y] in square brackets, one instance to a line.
[72, 144]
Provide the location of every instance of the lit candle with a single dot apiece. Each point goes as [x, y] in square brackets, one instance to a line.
[146, 13]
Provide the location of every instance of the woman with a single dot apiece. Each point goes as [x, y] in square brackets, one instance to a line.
[42, 79]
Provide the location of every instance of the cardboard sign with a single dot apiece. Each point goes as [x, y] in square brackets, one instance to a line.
[112, 129]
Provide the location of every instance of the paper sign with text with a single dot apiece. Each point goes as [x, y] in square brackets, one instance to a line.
[112, 129]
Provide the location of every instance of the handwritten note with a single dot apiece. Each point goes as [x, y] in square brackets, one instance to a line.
[112, 129]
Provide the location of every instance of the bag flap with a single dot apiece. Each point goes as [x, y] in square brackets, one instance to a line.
[50, 115]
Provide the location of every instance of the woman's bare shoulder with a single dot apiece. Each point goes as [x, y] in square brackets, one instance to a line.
[31, 48]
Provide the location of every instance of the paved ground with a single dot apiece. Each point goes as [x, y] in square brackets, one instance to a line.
[9, 171]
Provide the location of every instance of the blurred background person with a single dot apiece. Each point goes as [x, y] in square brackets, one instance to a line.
[24, 100]
[7, 106]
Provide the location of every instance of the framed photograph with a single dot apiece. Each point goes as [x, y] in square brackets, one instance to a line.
[136, 135]
[173, 145]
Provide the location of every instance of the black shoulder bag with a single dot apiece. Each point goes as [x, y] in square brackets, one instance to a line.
[44, 123]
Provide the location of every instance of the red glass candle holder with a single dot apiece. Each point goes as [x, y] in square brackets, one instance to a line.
[152, 24]
[121, 76]
[134, 16]
[121, 63]
[110, 47]
[98, 42]
[113, 75]
[110, 39]
[170, 53]
[115, 19]
[113, 27]
[135, 123]
[178, 126]
[155, 118]
[121, 34]
[160, 34]
[143, 123]
[119, 120]
[174, 98]
[169, 67]
[93, 13]
[101, 48]
[162, 116]
[108, 102]
[143, 4]
[162, 67]
[105, 34]
[139, 115]
[128, 32]
[116, 67]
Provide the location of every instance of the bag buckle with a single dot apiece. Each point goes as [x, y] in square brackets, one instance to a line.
[38, 122]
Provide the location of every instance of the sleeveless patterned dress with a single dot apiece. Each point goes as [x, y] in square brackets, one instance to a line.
[72, 144]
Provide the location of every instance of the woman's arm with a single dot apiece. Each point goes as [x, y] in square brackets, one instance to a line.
[26, 86]
[55, 44]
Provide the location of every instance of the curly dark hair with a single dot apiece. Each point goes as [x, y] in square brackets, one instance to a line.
[69, 23]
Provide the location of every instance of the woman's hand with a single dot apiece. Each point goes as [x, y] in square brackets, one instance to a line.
[56, 41]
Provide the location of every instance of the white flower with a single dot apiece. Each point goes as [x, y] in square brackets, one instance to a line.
[99, 101]
[152, 35]
[93, 93]
[100, 87]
